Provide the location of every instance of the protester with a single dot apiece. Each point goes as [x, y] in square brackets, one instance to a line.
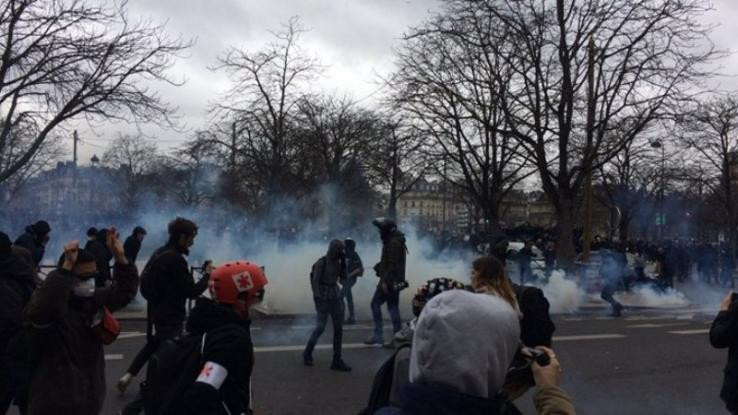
[133, 244]
[35, 239]
[394, 374]
[167, 284]
[488, 277]
[449, 376]
[524, 258]
[723, 334]
[612, 271]
[91, 236]
[354, 270]
[214, 376]
[17, 282]
[66, 313]
[98, 248]
[391, 273]
[326, 273]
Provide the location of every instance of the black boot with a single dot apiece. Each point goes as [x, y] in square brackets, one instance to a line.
[307, 359]
[340, 365]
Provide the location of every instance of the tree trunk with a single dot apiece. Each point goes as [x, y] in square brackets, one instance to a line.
[624, 227]
[565, 251]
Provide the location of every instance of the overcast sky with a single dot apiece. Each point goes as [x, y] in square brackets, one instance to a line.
[354, 38]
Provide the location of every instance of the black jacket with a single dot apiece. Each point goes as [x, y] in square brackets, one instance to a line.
[228, 343]
[33, 245]
[102, 259]
[724, 333]
[131, 247]
[391, 267]
[419, 399]
[176, 285]
[17, 282]
[69, 376]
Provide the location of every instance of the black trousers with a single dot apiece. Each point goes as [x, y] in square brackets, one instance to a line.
[324, 307]
[161, 333]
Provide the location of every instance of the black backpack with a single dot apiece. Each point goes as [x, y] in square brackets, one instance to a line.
[149, 279]
[171, 371]
[382, 385]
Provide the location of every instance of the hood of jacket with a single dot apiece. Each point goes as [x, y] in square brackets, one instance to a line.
[430, 399]
[476, 365]
[208, 315]
[18, 266]
[335, 249]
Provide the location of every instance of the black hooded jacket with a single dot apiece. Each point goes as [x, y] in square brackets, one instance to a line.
[227, 343]
[17, 282]
[29, 241]
[175, 283]
[131, 248]
[724, 333]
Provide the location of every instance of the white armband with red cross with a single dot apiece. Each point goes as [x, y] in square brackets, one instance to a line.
[213, 374]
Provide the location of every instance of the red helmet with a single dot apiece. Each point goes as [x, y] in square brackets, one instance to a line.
[231, 279]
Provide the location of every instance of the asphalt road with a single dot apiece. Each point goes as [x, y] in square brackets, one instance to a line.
[649, 362]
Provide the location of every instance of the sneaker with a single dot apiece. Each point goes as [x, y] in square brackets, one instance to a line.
[124, 382]
[340, 365]
[374, 341]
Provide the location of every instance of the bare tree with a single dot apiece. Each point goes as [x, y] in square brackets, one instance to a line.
[710, 130]
[396, 161]
[589, 77]
[267, 86]
[631, 181]
[134, 160]
[66, 60]
[455, 82]
[189, 176]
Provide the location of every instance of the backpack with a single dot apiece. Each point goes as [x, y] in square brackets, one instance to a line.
[149, 282]
[382, 385]
[171, 371]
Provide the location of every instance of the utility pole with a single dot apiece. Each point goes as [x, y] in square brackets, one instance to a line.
[591, 108]
[75, 137]
[233, 146]
[444, 189]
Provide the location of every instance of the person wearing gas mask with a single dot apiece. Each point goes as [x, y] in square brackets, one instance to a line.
[35, 239]
[391, 273]
[326, 273]
[69, 321]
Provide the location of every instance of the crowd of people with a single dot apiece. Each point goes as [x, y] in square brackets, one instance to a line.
[53, 330]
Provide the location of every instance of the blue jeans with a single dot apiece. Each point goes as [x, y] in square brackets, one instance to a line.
[327, 307]
[392, 298]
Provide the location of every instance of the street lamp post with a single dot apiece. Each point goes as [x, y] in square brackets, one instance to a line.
[662, 219]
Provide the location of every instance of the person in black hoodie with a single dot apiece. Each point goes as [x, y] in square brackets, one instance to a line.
[224, 383]
[174, 285]
[35, 239]
[100, 251]
[133, 243]
[17, 282]
[724, 333]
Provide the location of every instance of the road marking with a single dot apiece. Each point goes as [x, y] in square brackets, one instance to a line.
[653, 325]
[113, 357]
[588, 337]
[272, 349]
[128, 335]
[574, 319]
[698, 331]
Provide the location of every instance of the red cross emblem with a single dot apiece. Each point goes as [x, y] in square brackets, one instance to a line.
[244, 281]
[206, 370]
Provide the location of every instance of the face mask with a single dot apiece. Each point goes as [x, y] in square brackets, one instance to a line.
[84, 288]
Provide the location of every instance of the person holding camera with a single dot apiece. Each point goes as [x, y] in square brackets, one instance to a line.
[724, 333]
[391, 273]
[166, 284]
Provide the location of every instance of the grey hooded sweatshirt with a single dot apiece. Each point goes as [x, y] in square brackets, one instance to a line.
[466, 342]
